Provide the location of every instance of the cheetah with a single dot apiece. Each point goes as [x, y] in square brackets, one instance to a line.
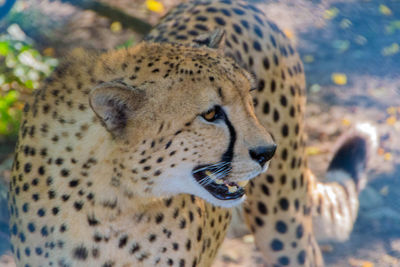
[136, 157]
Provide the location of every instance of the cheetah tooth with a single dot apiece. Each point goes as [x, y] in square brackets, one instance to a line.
[232, 189]
[243, 183]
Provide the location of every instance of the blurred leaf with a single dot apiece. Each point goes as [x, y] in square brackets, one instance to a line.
[339, 78]
[384, 191]
[361, 40]
[346, 122]
[308, 58]
[315, 88]
[3, 127]
[289, 33]
[391, 120]
[4, 48]
[11, 97]
[387, 156]
[22, 69]
[331, 13]
[2, 79]
[155, 6]
[3, 105]
[391, 50]
[341, 45]
[29, 84]
[126, 44]
[385, 10]
[116, 27]
[393, 27]
[345, 23]
[313, 150]
[360, 263]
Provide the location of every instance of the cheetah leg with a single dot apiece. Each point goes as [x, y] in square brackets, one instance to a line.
[285, 217]
[335, 202]
[280, 219]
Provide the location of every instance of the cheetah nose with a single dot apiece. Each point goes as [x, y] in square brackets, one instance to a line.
[262, 154]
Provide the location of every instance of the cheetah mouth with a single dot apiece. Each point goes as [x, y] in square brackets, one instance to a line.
[212, 179]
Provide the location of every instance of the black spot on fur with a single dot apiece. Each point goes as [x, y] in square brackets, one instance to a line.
[80, 253]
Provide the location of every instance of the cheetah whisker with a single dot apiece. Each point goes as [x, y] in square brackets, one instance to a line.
[218, 165]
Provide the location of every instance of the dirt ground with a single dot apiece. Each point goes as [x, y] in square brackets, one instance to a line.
[350, 50]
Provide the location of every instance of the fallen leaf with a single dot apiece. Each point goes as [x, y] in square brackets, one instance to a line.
[308, 58]
[391, 50]
[391, 120]
[368, 264]
[339, 78]
[289, 34]
[345, 23]
[346, 122]
[393, 27]
[360, 263]
[387, 156]
[385, 10]
[384, 191]
[331, 13]
[360, 40]
[381, 151]
[341, 45]
[155, 6]
[315, 88]
[116, 27]
[313, 150]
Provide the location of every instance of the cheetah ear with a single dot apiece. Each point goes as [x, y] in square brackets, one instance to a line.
[115, 103]
[214, 39]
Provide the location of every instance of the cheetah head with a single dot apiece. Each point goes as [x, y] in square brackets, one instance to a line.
[184, 124]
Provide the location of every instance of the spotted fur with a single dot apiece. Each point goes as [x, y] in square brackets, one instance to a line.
[107, 146]
[102, 172]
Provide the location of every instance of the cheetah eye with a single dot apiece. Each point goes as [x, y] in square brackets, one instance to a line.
[213, 114]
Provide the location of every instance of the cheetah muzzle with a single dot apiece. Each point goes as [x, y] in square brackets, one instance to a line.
[214, 177]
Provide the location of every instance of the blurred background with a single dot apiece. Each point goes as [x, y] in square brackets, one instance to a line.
[351, 53]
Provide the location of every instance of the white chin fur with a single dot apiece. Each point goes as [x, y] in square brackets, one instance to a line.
[207, 196]
[178, 184]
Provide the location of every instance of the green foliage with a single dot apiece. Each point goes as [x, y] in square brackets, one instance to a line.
[21, 69]
[127, 44]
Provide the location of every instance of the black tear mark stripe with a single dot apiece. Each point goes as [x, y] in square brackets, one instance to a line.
[228, 155]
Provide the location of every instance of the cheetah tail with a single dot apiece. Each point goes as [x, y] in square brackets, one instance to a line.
[353, 154]
[335, 201]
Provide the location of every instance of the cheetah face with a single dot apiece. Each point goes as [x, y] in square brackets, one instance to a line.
[219, 145]
[193, 132]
